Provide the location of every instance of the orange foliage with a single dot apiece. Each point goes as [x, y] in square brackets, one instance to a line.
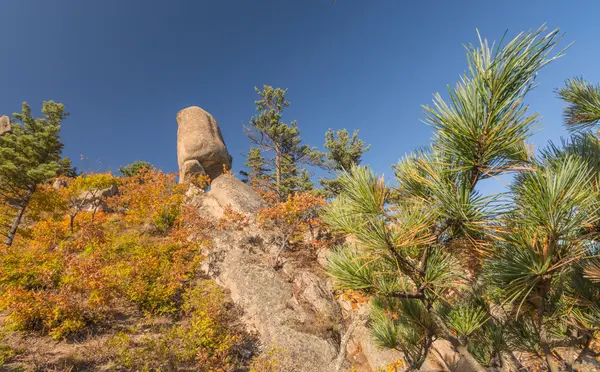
[150, 197]
[232, 220]
[294, 217]
[60, 282]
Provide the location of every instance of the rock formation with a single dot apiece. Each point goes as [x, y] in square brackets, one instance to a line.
[226, 190]
[290, 310]
[200, 145]
[291, 307]
[4, 125]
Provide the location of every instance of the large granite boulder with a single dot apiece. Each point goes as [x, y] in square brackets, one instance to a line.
[4, 125]
[226, 191]
[200, 145]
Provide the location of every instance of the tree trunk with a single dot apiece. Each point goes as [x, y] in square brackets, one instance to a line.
[471, 363]
[552, 367]
[341, 357]
[17, 221]
[541, 308]
[278, 172]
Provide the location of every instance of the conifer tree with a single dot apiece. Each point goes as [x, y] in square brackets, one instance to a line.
[281, 155]
[133, 169]
[583, 99]
[257, 173]
[343, 153]
[29, 156]
[420, 254]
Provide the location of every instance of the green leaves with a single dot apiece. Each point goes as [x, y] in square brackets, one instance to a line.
[583, 104]
[425, 176]
[351, 270]
[360, 208]
[344, 152]
[30, 154]
[491, 274]
[554, 205]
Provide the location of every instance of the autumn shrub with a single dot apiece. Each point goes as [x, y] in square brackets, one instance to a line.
[204, 340]
[63, 282]
[151, 274]
[232, 220]
[47, 203]
[267, 361]
[193, 227]
[294, 217]
[150, 196]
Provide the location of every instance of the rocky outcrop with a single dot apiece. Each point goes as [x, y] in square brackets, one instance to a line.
[290, 309]
[275, 307]
[5, 125]
[90, 197]
[200, 145]
[228, 191]
[289, 306]
[59, 183]
[95, 200]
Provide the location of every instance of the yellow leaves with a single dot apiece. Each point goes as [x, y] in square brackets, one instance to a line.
[268, 361]
[226, 170]
[89, 182]
[60, 282]
[46, 202]
[203, 180]
[298, 207]
[355, 298]
[150, 196]
[295, 216]
[394, 366]
[203, 342]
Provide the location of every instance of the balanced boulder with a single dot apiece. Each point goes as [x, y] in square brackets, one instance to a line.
[4, 125]
[200, 145]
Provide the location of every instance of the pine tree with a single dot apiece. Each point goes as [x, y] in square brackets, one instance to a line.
[29, 156]
[279, 152]
[420, 255]
[583, 99]
[344, 152]
[257, 174]
[133, 169]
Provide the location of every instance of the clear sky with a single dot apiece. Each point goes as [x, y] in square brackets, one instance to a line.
[124, 68]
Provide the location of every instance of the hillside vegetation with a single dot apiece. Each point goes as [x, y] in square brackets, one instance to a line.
[129, 275]
[100, 272]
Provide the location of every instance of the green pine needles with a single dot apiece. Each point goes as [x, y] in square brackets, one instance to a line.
[493, 275]
[29, 155]
[277, 162]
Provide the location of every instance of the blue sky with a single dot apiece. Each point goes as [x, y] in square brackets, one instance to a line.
[125, 68]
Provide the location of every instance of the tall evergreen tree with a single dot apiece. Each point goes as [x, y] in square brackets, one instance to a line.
[279, 153]
[29, 156]
[344, 151]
